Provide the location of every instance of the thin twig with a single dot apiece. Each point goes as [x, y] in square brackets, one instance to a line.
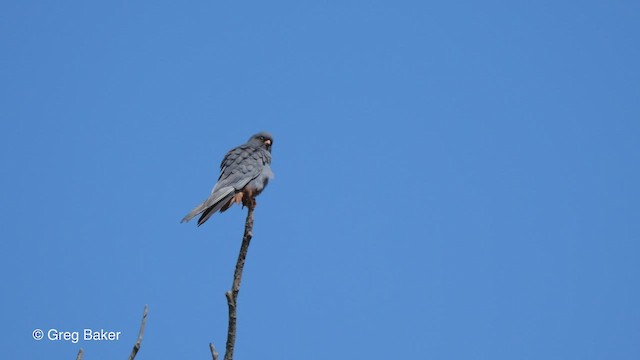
[136, 347]
[214, 353]
[232, 295]
[79, 356]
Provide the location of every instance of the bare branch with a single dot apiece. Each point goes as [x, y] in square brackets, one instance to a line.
[214, 353]
[79, 356]
[136, 347]
[232, 295]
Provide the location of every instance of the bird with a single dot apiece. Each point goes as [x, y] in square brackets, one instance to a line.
[244, 172]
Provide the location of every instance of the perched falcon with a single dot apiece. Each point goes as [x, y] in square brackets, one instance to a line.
[244, 172]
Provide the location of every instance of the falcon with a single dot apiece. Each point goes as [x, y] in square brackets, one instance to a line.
[244, 173]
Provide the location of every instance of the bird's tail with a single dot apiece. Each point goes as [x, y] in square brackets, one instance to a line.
[209, 207]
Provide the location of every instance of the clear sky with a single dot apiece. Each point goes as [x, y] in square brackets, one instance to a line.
[454, 180]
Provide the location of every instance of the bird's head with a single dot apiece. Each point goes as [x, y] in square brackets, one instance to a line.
[263, 140]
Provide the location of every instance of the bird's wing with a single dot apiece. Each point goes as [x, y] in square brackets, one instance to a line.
[241, 165]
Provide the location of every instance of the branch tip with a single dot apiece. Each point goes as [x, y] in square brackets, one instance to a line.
[136, 347]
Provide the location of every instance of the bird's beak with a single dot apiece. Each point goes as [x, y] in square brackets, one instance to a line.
[268, 142]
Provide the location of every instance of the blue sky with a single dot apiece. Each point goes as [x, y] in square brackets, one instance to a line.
[454, 180]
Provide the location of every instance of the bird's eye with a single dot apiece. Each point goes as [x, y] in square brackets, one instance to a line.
[261, 137]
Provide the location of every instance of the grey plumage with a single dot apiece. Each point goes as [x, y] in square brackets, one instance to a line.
[244, 173]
